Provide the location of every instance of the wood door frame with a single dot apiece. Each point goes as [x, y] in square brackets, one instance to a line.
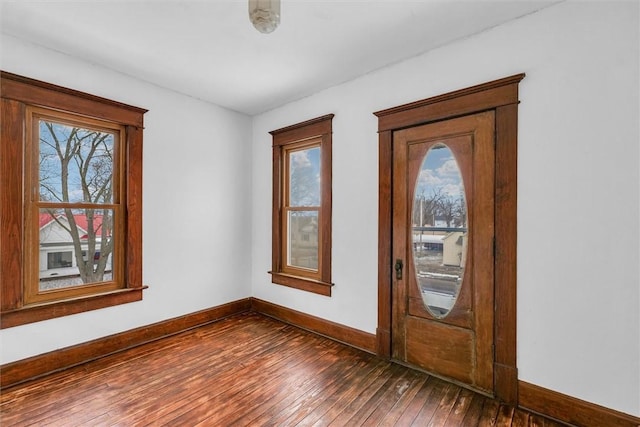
[501, 96]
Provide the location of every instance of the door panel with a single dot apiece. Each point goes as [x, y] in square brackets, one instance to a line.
[441, 348]
[430, 327]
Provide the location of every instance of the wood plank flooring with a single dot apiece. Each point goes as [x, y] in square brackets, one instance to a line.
[249, 370]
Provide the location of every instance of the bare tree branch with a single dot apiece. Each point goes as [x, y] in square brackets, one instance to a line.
[86, 155]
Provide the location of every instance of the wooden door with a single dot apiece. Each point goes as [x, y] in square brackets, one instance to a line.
[443, 283]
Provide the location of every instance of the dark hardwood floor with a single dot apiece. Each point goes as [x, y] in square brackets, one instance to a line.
[249, 370]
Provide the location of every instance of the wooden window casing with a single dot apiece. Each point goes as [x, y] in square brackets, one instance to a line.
[24, 101]
[307, 135]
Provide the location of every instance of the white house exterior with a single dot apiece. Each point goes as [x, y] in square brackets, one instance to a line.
[454, 249]
[57, 253]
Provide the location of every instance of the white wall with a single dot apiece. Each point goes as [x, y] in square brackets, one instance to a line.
[578, 278]
[196, 201]
[578, 298]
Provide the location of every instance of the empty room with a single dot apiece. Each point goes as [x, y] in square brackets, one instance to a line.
[314, 212]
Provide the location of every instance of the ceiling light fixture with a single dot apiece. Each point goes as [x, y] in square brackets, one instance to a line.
[264, 15]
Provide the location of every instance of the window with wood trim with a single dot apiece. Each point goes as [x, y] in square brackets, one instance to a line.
[70, 199]
[301, 249]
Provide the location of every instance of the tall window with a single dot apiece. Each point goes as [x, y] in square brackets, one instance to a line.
[302, 206]
[71, 181]
[73, 194]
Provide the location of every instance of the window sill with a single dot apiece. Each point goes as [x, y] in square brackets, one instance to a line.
[302, 283]
[50, 310]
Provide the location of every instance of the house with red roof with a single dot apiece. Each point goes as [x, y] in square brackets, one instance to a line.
[57, 252]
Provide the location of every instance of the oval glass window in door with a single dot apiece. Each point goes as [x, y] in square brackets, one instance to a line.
[440, 233]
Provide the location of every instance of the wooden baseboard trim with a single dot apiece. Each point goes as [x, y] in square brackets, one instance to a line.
[530, 397]
[570, 409]
[18, 372]
[47, 363]
[344, 334]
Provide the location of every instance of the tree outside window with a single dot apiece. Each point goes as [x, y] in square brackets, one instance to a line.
[76, 168]
[74, 194]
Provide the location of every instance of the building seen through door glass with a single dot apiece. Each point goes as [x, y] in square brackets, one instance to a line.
[440, 233]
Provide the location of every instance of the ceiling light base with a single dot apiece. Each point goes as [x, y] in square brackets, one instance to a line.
[264, 15]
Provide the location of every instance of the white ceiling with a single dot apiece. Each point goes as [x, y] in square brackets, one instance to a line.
[208, 49]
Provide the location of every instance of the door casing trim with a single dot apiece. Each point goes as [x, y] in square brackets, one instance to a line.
[501, 96]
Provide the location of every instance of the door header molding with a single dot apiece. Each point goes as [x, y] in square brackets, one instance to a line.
[473, 99]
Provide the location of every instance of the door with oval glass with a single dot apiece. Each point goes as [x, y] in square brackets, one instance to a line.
[443, 233]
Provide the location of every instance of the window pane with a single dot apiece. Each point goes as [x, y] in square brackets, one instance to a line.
[302, 239]
[440, 233]
[58, 259]
[304, 177]
[76, 164]
[76, 247]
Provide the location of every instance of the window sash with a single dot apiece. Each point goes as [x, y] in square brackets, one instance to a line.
[291, 200]
[301, 254]
[34, 205]
[292, 205]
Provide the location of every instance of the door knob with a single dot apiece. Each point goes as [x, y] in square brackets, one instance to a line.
[398, 268]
